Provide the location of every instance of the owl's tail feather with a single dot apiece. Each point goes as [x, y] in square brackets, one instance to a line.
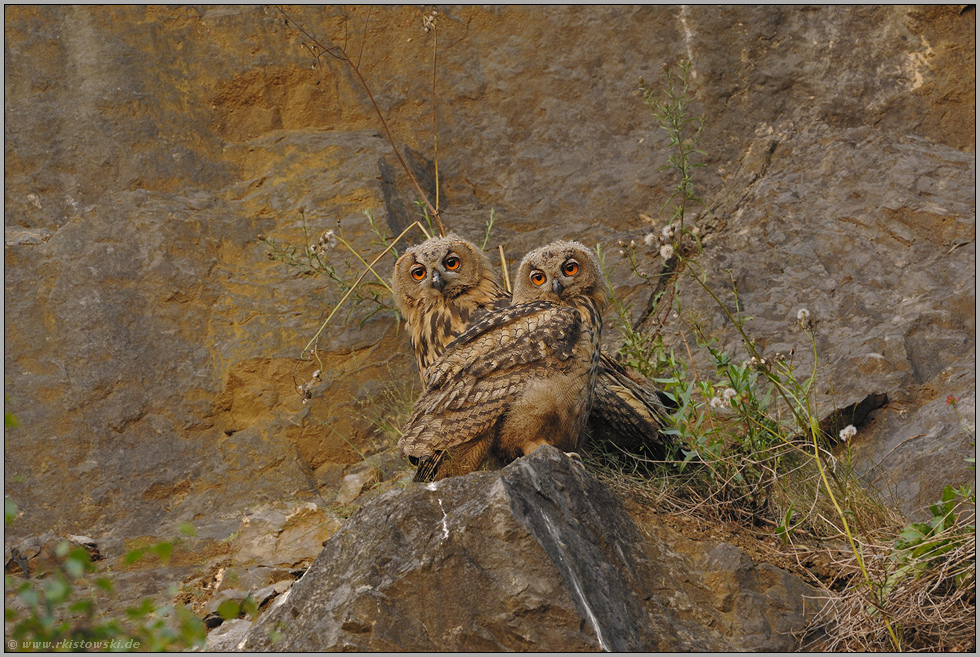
[455, 461]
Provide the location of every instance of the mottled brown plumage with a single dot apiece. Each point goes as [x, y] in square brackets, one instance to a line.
[519, 378]
[441, 304]
[442, 287]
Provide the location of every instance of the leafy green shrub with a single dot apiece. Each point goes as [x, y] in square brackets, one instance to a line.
[61, 611]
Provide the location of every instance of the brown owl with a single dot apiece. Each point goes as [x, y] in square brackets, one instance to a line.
[443, 286]
[519, 378]
[446, 284]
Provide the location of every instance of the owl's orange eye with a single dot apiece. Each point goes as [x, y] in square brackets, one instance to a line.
[418, 272]
[451, 263]
[570, 268]
[538, 277]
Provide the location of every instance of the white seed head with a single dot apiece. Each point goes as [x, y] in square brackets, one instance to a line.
[803, 314]
[650, 239]
[729, 393]
[848, 432]
[666, 252]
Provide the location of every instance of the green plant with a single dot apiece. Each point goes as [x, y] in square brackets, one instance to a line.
[749, 444]
[61, 611]
[921, 546]
[684, 133]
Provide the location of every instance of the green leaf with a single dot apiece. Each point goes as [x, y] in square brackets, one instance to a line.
[56, 590]
[145, 608]
[85, 606]
[163, 550]
[133, 556]
[228, 609]
[9, 510]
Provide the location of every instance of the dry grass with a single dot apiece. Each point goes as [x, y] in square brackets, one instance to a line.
[931, 608]
[934, 610]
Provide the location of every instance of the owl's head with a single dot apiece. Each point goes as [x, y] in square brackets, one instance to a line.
[560, 272]
[438, 269]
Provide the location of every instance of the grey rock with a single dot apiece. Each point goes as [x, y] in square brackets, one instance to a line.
[227, 636]
[283, 537]
[538, 556]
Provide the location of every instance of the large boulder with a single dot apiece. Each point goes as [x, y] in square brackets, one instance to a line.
[538, 556]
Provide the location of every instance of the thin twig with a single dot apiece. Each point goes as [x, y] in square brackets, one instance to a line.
[435, 132]
[503, 268]
[370, 268]
[333, 51]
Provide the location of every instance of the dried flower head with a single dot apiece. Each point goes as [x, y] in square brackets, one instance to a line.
[649, 239]
[848, 432]
[666, 252]
[716, 402]
[729, 393]
[803, 314]
[667, 233]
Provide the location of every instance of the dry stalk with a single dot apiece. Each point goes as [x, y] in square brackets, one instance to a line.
[340, 53]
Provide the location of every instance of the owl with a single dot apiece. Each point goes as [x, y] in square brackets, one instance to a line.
[519, 378]
[446, 284]
[443, 286]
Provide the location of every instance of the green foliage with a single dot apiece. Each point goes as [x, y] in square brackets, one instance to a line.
[922, 546]
[61, 612]
[748, 441]
[486, 235]
[684, 134]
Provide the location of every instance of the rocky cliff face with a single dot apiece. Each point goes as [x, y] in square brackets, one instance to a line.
[151, 346]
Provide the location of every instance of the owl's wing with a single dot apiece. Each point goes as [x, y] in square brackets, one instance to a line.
[481, 372]
[626, 412]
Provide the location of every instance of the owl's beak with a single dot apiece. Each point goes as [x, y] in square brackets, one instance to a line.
[557, 287]
[438, 282]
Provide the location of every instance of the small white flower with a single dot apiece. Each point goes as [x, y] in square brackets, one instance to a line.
[622, 253]
[328, 240]
[803, 314]
[848, 432]
[632, 244]
[666, 252]
[650, 239]
[729, 393]
[716, 402]
[667, 232]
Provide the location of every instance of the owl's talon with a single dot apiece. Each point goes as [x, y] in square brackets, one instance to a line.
[574, 456]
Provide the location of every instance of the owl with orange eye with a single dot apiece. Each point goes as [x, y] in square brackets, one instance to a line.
[442, 287]
[520, 377]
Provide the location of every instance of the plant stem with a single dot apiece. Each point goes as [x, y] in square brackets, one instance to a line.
[333, 52]
[370, 268]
